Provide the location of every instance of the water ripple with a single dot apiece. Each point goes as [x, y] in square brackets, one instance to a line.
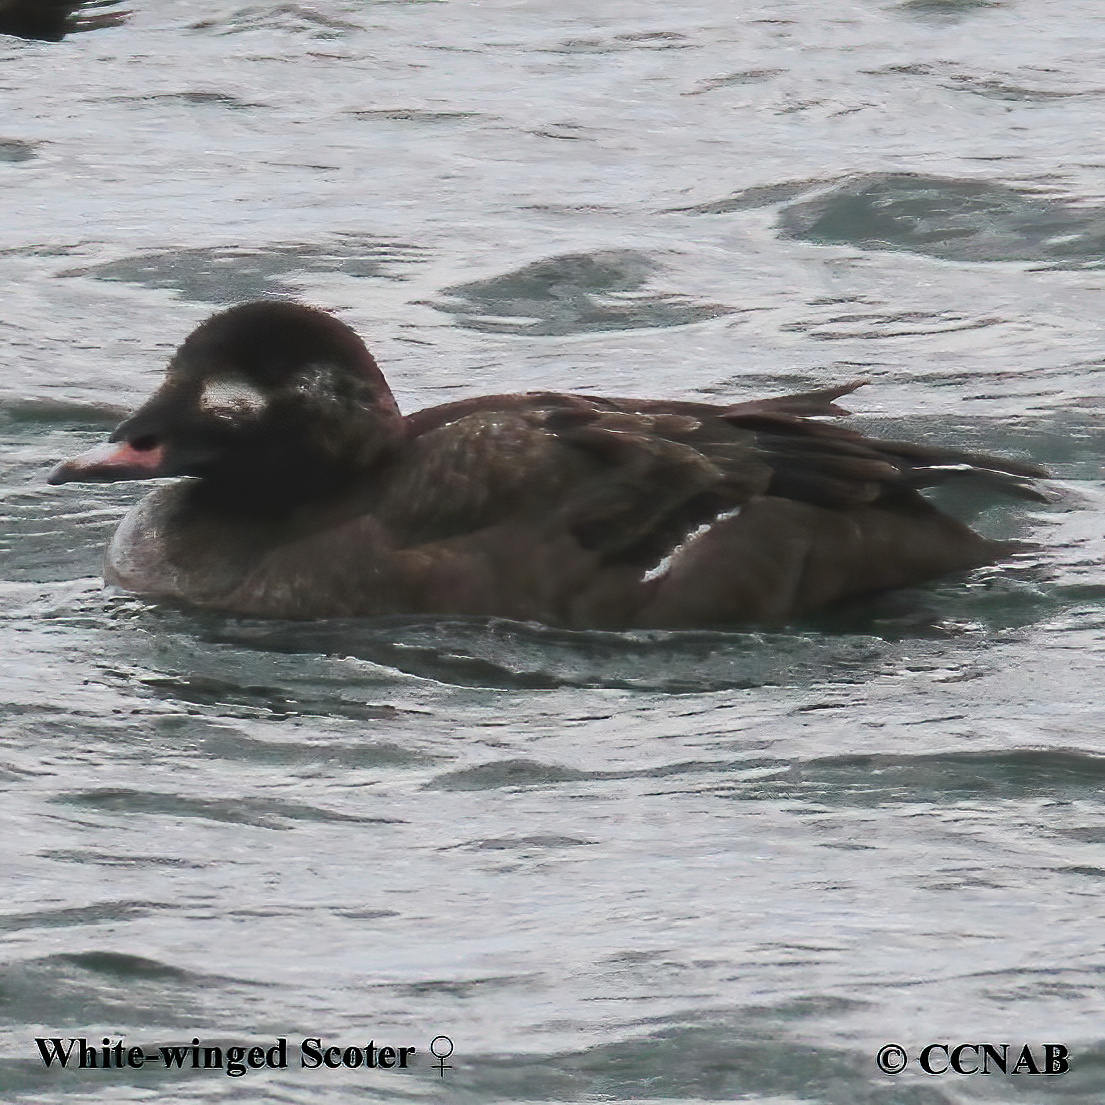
[955, 219]
[575, 293]
[232, 274]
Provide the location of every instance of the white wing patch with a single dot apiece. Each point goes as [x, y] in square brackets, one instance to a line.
[663, 566]
[231, 397]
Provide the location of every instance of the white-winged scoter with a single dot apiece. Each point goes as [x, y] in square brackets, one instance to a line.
[308, 495]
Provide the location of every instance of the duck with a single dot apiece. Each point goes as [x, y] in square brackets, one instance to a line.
[293, 487]
[52, 20]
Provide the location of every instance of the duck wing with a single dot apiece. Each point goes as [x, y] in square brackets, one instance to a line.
[608, 476]
[631, 478]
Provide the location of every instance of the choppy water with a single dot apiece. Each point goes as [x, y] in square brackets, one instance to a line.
[680, 867]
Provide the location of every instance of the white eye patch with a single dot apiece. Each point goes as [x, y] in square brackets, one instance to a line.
[228, 398]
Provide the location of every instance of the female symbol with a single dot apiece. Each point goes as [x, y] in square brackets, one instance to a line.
[440, 1053]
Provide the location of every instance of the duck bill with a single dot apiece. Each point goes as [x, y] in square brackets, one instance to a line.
[110, 462]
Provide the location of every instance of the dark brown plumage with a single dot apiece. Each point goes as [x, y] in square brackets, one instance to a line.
[312, 496]
[52, 20]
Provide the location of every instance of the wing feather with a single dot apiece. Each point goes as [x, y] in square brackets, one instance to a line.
[630, 478]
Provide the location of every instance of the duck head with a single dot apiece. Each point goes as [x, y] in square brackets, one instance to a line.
[267, 404]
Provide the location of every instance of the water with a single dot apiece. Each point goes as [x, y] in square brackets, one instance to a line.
[651, 866]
